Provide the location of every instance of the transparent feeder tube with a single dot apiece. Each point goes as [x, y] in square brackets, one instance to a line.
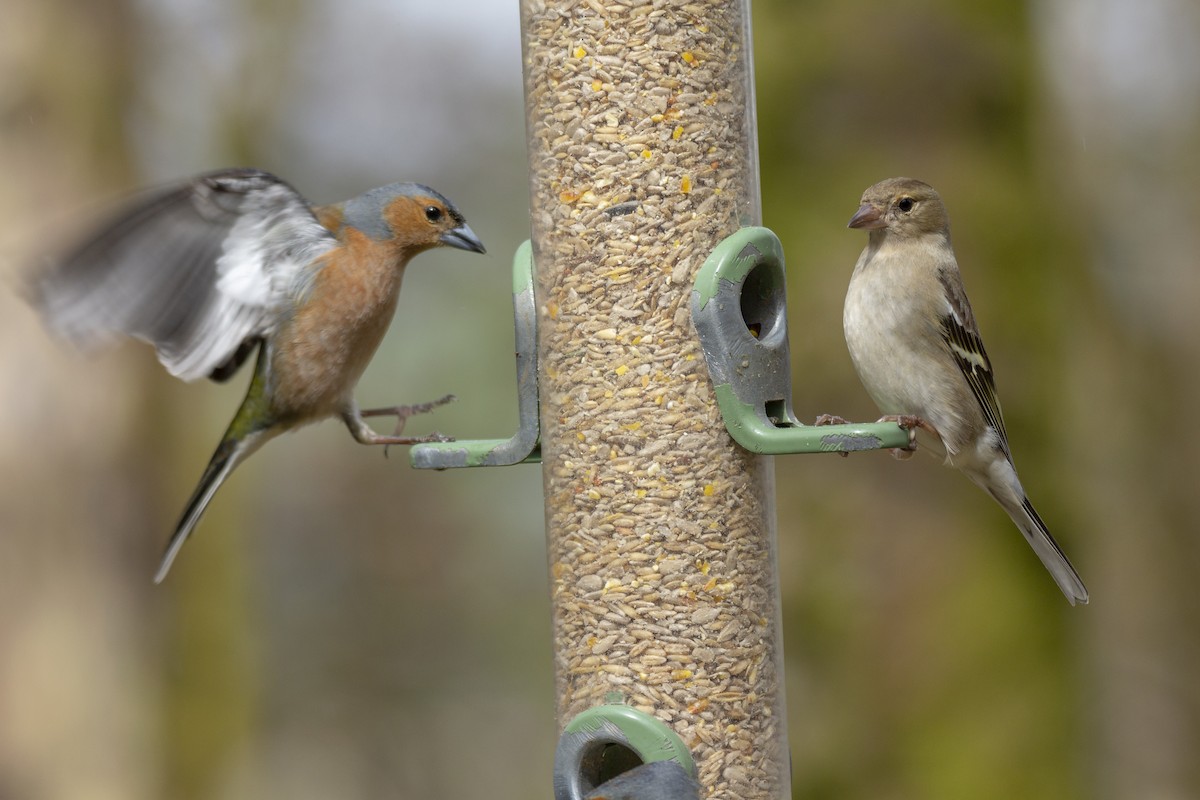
[660, 529]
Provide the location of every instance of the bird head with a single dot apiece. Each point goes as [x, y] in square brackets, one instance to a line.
[903, 207]
[409, 215]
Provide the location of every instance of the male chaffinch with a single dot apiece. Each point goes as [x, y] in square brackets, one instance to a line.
[208, 269]
[914, 342]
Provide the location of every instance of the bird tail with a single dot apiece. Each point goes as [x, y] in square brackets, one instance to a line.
[1048, 551]
[232, 451]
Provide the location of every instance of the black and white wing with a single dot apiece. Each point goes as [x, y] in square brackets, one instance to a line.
[962, 336]
[201, 270]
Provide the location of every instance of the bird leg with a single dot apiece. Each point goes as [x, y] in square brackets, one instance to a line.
[910, 423]
[364, 434]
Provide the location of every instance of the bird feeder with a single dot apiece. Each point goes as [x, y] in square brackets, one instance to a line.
[660, 528]
[653, 382]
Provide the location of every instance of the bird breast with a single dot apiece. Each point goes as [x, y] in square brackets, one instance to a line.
[323, 350]
[893, 339]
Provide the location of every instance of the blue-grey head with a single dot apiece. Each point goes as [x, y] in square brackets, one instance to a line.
[412, 215]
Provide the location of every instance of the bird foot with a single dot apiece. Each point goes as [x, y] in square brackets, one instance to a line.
[388, 441]
[436, 436]
[402, 413]
[910, 423]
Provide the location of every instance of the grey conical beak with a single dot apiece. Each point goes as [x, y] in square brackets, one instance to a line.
[463, 238]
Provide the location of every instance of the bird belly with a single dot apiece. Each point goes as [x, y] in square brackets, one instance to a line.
[872, 323]
[884, 339]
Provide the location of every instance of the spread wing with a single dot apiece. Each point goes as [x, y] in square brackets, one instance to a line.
[201, 270]
[961, 334]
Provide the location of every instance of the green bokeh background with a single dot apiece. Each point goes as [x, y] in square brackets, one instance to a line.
[344, 626]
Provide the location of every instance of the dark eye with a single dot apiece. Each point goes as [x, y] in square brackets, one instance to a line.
[433, 213]
[906, 204]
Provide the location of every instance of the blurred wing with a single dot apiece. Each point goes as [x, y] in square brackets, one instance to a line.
[962, 336]
[198, 270]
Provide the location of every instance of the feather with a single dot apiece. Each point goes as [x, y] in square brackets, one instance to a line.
[195, 269]
[966, 346]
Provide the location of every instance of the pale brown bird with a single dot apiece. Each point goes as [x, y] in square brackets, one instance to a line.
[914, 342]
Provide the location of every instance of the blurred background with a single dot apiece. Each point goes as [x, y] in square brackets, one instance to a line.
[342, 625]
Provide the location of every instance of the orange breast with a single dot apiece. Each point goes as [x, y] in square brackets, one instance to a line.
[321, 353]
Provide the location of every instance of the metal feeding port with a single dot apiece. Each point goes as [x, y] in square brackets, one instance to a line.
[739, 308]
[614, 750]
[522, 447]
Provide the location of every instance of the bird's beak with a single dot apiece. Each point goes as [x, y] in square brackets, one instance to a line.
[868, 217]
[463, 238]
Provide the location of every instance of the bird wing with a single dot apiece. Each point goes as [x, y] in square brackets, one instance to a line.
[200, 270]
[962, 336]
